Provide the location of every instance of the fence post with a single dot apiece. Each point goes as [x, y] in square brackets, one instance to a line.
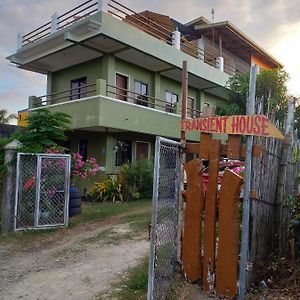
[9, 186]
[250, 110]
[282, 230]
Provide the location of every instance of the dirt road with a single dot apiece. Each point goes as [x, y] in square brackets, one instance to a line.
[78, 263]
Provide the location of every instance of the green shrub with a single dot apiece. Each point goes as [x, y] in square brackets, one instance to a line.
[137, 179]
[107, 190]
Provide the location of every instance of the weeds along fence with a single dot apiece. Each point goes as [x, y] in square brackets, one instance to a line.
[270, 216]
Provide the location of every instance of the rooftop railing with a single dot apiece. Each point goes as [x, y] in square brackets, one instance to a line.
[128, 15]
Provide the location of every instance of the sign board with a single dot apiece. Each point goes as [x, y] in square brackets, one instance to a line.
[22, 118]
[258, 125]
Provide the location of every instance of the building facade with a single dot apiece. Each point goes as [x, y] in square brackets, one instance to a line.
[118, 74]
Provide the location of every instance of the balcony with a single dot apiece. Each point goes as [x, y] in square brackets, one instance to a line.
[86, 26]
[102, 107]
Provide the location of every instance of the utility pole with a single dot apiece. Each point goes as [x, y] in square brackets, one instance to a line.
[244, 264]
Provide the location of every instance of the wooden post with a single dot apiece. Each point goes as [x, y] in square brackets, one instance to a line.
[183, 158]
[228, 250]
[191, 243]
[210, 217]
[184, 98]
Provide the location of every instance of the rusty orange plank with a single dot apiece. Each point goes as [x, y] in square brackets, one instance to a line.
[204, 145]
[192, 148]
[192, 231]
[234, 146]
[228, 248]
[210, 215]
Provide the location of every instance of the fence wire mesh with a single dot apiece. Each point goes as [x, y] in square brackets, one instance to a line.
[42, 190]
[163, 257]
[26, 192]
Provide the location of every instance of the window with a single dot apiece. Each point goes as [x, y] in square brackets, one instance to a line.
[142, 150]
[121, 87]
[123, 152]
[82, 148]
[142, 89]
[190, 110]
[171, 100]
[78, 88]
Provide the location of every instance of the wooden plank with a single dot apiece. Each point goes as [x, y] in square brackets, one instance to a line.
[192, 232]
[204, 145]
[234, 146]
[192, 148]
[228, 248]
[210, 217]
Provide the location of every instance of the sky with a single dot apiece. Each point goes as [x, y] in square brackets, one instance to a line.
[273, 24]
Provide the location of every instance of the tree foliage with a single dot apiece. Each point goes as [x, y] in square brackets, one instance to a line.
[4, 119]
[45, 129]
[271, 94]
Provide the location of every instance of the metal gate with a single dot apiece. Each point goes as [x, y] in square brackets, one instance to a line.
[166, 182]
[42, 190]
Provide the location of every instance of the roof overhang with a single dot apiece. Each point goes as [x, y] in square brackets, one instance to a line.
[237, 42]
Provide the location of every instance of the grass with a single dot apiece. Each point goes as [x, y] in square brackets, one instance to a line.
[138, 221]
[134, 286]
[101, 211]
[90, 212]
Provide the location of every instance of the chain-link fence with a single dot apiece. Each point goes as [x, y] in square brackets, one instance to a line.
[42, 193]
[163, 258]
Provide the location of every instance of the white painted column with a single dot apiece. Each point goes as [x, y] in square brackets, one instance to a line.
[200, 45]
[220, 63]
[176, 39]
[20, 40]
[54, 22]
[103, 5]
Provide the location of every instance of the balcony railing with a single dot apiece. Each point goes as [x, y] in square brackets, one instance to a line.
[111, 91]
[128, 15]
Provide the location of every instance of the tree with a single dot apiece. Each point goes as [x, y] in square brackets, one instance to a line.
[45, 129]
[4, 119]
[271, 94]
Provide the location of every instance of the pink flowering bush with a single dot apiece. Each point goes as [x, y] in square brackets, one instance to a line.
[81, 168]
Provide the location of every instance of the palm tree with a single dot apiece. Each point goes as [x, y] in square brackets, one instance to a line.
[4, 119]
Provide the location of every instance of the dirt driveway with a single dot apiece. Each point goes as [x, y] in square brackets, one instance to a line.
[78, 263]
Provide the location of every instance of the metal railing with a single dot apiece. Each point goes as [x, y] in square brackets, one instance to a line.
[77, 13]
[114, 92]
[147, 100]
[66, 95]
[130, 16]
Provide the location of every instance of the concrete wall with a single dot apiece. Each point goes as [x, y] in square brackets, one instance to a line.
[107, 67]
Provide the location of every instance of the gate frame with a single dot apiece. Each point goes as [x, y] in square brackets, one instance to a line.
[37, 192]
[151, 272]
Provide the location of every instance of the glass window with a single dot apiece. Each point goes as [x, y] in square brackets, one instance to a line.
[171, 101]
[123, 152]
[142, 90]
[78, 88]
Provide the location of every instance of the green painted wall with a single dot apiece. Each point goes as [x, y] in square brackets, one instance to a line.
[96, 144]
[60, 80]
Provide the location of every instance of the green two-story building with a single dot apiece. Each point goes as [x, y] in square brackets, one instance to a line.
[118, 74]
